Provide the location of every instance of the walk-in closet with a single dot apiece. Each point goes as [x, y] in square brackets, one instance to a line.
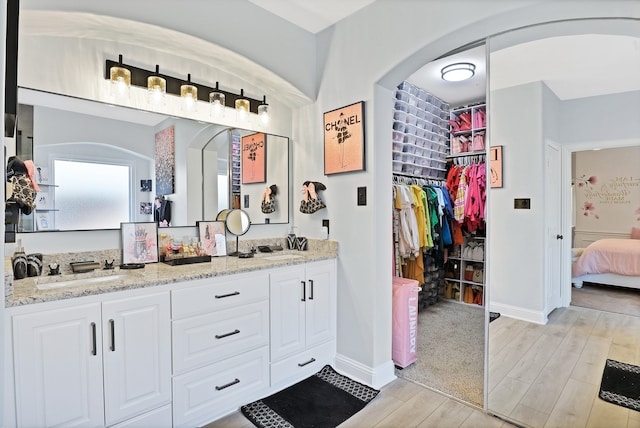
[439, 149]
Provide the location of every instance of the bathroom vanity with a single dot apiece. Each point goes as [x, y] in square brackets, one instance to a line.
[167, 345]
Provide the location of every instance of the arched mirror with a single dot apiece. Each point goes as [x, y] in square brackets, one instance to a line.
[237, 222]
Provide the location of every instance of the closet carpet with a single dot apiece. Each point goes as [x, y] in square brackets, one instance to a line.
[619, 300]
[450, 351]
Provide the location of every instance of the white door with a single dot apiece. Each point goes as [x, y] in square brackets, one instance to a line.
[288, 301]
[320, 303]
[137, 355]
[58, 368]
[553, 222]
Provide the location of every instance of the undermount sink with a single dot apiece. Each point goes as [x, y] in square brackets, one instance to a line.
[282, 257]
[46, 284]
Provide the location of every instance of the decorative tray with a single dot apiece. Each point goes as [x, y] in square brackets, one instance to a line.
[187, 260]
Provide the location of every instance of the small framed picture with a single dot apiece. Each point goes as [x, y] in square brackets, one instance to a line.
[43, 221]
[146, 208]
[42, 174]
[43, 200]
[146, 186]
[254, 158]
[139, 242]
[212, 237]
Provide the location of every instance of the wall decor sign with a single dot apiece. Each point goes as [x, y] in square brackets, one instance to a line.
[212, 237]
[254, 158]
[344, 144]
[139, 242]
[495, 157]
[165, 161]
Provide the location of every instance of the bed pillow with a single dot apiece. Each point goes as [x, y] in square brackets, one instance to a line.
[635, 233]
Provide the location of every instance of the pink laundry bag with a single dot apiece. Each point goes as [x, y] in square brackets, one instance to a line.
[404, 340]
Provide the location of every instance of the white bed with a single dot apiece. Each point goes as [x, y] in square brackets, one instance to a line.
[609, 262]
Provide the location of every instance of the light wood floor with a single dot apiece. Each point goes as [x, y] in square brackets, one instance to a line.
[401, 404]
[549, 376]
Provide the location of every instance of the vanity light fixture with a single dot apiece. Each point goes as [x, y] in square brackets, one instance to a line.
[189, 94]
[242, 107]
[458, 72]
[157, 87]
[263, 111]
[217, 101]
[120, 79]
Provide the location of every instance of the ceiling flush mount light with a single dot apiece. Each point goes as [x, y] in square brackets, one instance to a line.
[120, 78]
[217, 101]
[263, 111]
[189, 94]
[157, 87]
[458, 71]
[242, 106]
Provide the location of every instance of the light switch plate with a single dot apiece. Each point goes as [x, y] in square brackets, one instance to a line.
[362, 196]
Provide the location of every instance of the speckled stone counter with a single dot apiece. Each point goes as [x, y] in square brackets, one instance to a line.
[27, 291]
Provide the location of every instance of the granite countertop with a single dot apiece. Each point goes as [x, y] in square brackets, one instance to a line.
[30, 290]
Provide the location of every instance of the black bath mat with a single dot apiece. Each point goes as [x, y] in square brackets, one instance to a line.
[324, 400]
[621, 384]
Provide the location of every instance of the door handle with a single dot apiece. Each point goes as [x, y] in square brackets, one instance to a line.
[311, 291]
[94, 347]
[112, 327]
[304, 290]
[559, 236]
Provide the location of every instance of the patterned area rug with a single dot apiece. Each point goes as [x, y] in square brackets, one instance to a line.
[324, 400]
[621, 384]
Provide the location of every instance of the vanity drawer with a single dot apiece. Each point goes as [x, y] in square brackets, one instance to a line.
[302, 365]
[220, 293]
[202, 340]
[205, 394]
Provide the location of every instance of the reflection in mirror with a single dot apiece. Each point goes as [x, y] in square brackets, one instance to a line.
[546, 352]
[97, 165]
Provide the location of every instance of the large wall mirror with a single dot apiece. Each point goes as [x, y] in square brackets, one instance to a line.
[555, 75]
[96, 166]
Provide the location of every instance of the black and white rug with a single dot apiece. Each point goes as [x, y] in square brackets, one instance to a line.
[621, 384]
[323, 400]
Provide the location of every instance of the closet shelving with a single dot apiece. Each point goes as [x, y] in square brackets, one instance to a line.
[235, 168]
[464, 270]
[420, 133]
[463, 133]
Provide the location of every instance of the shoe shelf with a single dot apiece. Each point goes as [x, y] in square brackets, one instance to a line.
[464, 272]
[420, 139]
[467, 130]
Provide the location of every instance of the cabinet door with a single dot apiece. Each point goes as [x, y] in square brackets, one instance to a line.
[137, 355]
[320, 305]
[58, 367]
[288, 298]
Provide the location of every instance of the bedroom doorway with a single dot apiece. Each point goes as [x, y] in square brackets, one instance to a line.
[593, 219]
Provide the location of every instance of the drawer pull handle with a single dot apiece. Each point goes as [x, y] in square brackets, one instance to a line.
[220, 388]
[304, 290]
[94, 347]
[222, 336]
[313, 360]
[222, 296]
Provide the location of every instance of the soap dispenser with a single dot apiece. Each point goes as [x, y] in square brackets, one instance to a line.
[19, 261]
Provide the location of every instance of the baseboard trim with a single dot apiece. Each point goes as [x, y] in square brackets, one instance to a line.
[375, 377]
[516, 312]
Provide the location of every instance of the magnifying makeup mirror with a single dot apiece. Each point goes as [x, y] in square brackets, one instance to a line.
[237, 223]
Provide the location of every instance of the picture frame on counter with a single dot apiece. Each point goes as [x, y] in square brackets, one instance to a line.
[139, 242]
[211, 235]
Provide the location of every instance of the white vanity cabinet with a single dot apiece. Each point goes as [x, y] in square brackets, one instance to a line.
[303, 320]
[220, 346]
[92, 364]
